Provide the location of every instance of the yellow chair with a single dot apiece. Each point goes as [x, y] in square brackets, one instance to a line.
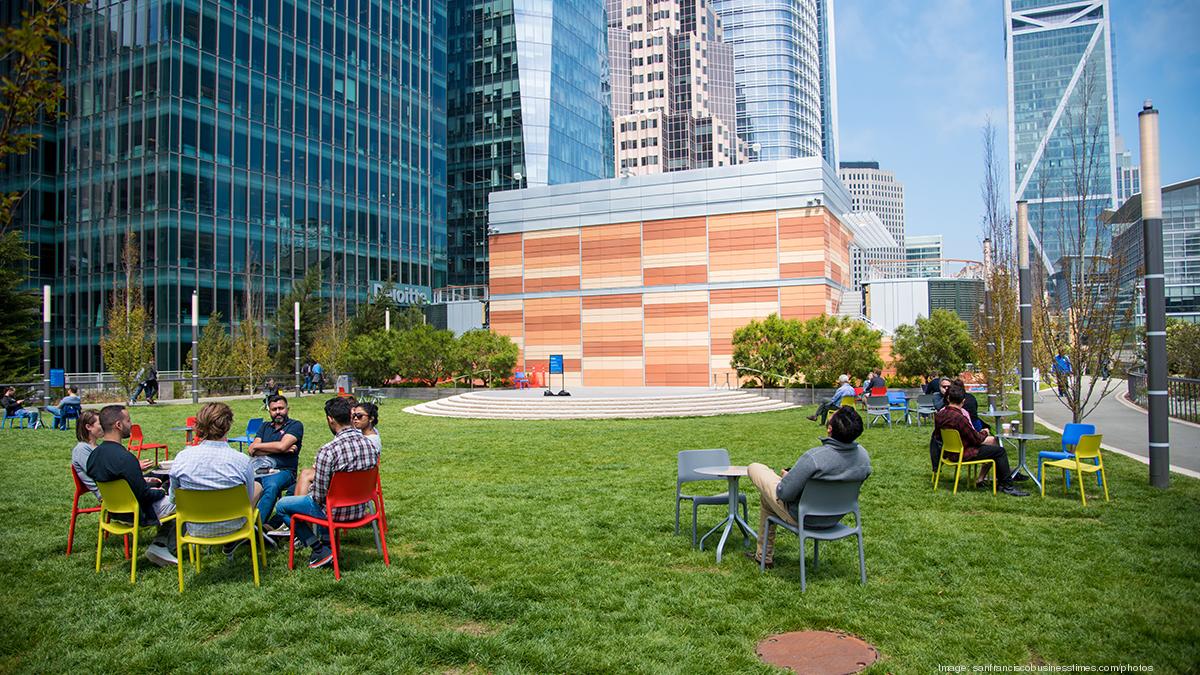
[117, 497]
[1088, 448]
[952, 444]
[848, 401]
[214, 506]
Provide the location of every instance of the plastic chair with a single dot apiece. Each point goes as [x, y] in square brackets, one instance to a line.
[925, 406]
[69, 411]
[137, 443]
[686, 464]
[848, 401]
[252, 427]
[898, 402]
[520, 380]
[81, 490]
[952, 444]
[118, 498]
[214, 506]
[824, 498]
[878, 408]
[12, 420]
[1087, 448]
[879, 391]
[346, 488]
[1070, 438]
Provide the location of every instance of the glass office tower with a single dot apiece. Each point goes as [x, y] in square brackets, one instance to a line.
[785, 74]
[528, 105]
[1061, 132]
[243, 142]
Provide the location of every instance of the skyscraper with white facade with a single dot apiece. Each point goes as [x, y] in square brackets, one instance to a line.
[1062, 140]
[877, 191]
[786, 76]
[924, 255]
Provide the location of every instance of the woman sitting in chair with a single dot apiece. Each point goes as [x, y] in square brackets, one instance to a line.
[976, 444]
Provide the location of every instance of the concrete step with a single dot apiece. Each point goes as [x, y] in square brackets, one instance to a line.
[484, 406]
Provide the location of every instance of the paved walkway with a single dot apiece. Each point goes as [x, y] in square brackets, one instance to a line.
[1125, 428]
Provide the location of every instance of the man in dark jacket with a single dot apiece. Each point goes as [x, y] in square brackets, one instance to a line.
[976, 444]
[840, 458]
[971, 405]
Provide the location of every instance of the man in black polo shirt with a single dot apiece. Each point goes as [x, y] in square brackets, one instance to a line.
[277, 446]
[112, 461]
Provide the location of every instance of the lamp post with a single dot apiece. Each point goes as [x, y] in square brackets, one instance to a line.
[1156, 309]
[195, 347]
[45, 345]
[1025, 290]
[296, 331]
[387, 319]
[989, 322]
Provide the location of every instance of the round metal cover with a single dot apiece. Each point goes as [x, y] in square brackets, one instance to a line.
[817, 652]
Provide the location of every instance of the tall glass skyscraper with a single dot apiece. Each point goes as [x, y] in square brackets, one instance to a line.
[1061, 102]
[243, 142]
[785, 72]
[528, 106]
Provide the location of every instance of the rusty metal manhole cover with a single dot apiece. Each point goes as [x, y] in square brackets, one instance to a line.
[817, 652]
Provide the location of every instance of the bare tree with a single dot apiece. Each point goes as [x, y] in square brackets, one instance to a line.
[1001, 328]
[1078, 314]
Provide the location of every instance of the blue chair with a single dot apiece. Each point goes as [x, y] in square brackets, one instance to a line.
[69, 411]
[824, 498]
[252, 427]
[898, 403]
[1070, 438]
[12, 420]
[688, 462]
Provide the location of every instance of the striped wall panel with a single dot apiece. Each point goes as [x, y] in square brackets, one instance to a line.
[508, 318]
[552, 260]
[552, 326]
[677, 338]
[729, 310]
[611, 256]
[504, 263]
[612, 341]
[674, 251]
[741, 247]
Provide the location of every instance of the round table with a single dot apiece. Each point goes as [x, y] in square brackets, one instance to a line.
[189, 431]
[997, 415]
[1021, 439]
[732, 474]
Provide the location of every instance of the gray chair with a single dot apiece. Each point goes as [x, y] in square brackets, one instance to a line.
[825, 498]
[688, 462]
[879, 408]
[926, 406]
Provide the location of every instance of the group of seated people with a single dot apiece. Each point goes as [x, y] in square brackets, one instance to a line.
[270, 467]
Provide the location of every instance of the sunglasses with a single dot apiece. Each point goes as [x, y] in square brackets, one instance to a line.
[358, 416]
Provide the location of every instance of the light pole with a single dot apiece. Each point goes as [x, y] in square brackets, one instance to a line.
[387, 319]
[989, 322]
[1156, 308]
[45, 345]
[296, 331]
[1025, 289]
[195, 346]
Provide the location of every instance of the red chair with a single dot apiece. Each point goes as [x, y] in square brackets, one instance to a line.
[192, 438]
[137, 443]
[346, 488]
[80, 490]
[879, 391]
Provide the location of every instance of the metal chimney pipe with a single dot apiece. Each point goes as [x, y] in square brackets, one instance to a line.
[1156, 307]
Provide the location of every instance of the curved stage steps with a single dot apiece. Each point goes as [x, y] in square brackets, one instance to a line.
[532, 405]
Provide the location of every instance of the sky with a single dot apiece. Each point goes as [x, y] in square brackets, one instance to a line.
[918, 79]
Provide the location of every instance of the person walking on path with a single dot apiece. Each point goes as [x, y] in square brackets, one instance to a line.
[1062, 370]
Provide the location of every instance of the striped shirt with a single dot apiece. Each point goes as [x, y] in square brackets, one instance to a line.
[348, 451]
[212, 465]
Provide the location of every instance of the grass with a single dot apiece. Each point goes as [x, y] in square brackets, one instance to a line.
[549, 547]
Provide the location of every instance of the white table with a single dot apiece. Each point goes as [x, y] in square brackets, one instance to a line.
[732, 474]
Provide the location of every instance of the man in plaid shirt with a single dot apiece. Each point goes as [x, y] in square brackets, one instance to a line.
[348, 451]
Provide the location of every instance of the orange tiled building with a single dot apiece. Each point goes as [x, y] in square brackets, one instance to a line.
[642, 281]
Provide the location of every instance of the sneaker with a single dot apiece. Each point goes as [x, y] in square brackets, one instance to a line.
[321, 556]
[1015, 492]
[811, 418]
[281, 532]
[160, 555]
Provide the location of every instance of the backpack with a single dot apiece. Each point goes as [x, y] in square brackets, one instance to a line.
[151, 374]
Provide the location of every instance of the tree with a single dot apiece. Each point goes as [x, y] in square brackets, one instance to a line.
[1080, 314]
[998, 343]
[939, 343]
[19, 329]
[214, 346]
[1183, 348]
[767, 350]
[250, 358]
[817, 350]
[841, 345]
[126, 346]
[485, 354]
[371, 315]
[373, 357]
[329, 346]
[306, 291]
[425, 354]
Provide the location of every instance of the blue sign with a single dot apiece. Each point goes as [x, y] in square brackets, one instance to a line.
[57, 377]
[556, 364]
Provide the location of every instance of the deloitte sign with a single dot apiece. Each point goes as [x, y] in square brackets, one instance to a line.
[401, 294]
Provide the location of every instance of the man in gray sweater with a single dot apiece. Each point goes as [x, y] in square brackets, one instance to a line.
[840, 458]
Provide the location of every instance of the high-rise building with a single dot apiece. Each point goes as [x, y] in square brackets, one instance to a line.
[672, 87]
[241, 144]
[528, 106]
[924, 255]
[1129, 176]
[1181, 252]
[785, 72]
[1061, 132]
[877, 190]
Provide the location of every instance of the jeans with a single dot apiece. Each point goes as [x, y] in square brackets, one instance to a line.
[273, 486]
[305, 505]
[825, 409]
[307, 383]
[33, 416]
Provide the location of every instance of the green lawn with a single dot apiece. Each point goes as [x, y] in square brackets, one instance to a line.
[548, 547]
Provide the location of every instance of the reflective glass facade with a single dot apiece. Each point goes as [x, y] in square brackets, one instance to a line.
[243, 142]
[785, 74]
[1061, 102]
[528, 105]
[1181, 250]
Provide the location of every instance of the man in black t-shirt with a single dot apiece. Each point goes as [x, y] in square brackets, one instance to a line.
[277, 446]
[112, 461]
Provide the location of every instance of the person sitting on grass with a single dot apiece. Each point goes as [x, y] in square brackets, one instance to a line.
[348, 451]
[844, 389]
[839, 458]
[112, 461]
[72, 398]
[88, 432]
[13, 407]
[976, 444]
[212, 464]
